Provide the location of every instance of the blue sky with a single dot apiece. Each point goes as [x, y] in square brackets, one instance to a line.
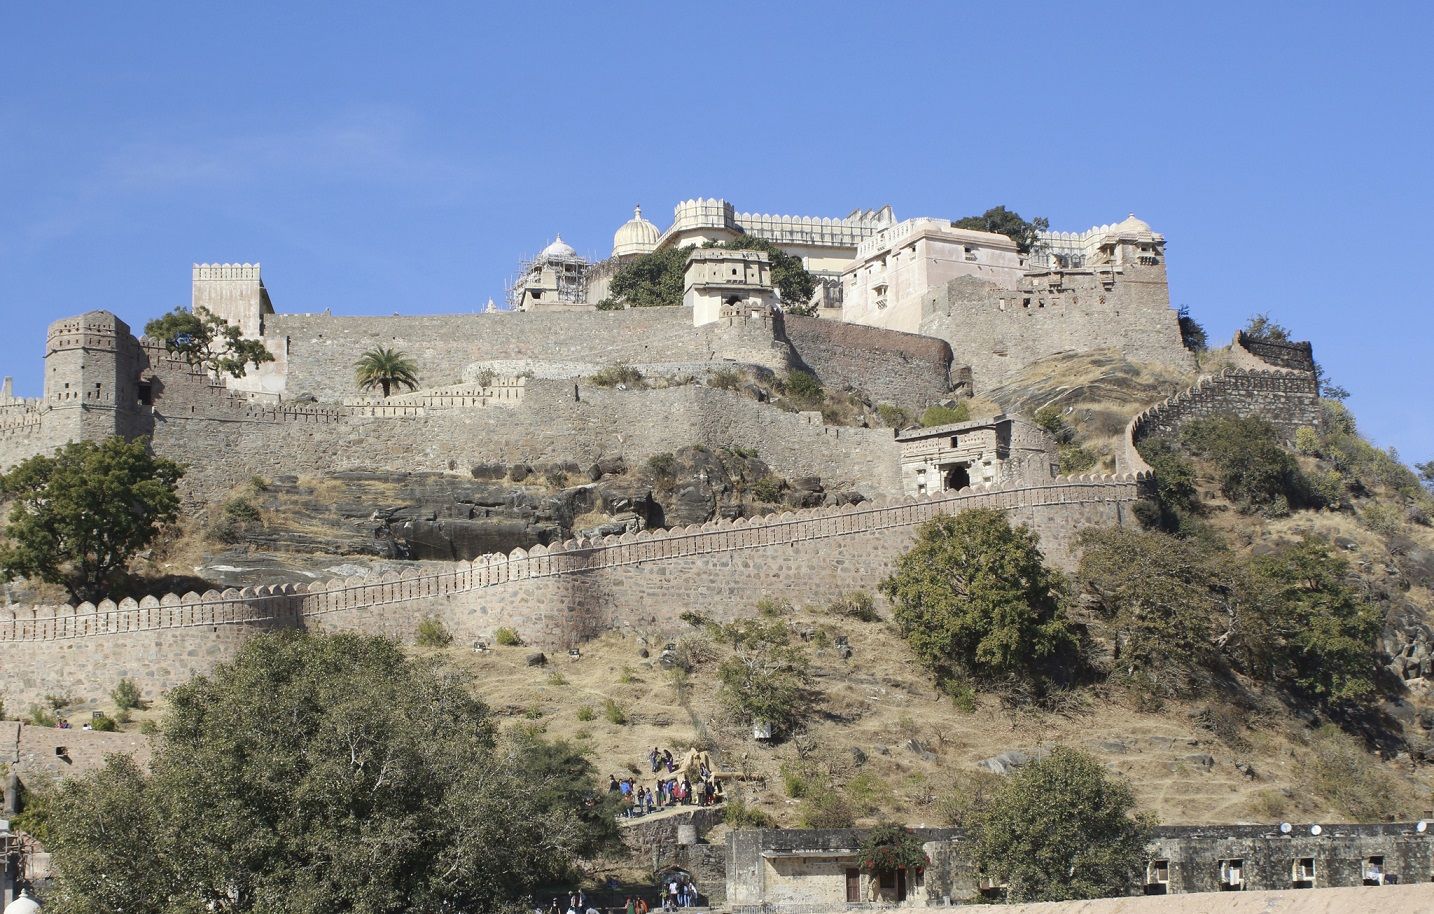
[382, 158]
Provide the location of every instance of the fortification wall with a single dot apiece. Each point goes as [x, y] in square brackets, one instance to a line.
[554, 596]
[998, 332]
[1286, 397]
[901, 368]
[22, 434]
[225, 440]
[322, 348]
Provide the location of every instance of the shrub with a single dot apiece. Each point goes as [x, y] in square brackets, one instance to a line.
[1075, 459]
[974, 597]
[104, 723]
[662, 464]
[433, 633]
[1192, 333]
[893, 416]
[613, 375]
[1343, 774]
[1254, 470]
[826, 809]
[627, 676]
[887, 849]
[800, 779]
[557, 679]
[867, 793]
[241, 511]
[586, 713]
[766, 682]
[858, 605]
[962, 693]
[1175, 504]
[1052, 421]
[739, 814]
[1383, 518]
[804, 388]
[148, 727]
[486, 377]
[767, 490]
[967, 796]
[613, 712]
[1263, 327]
[125, 695]
[507, 637]
[774, 607]
[1061, 828]
[945, 415]
[725, 379]
[694, 618]
[42, 717]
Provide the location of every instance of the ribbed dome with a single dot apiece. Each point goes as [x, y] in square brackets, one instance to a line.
[23, 905]
[635, 236]
[1132, 227]
[559, 248]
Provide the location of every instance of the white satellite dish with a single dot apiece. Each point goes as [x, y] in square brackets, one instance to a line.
[1315, 829]
[1286, 828]
[1421, 826]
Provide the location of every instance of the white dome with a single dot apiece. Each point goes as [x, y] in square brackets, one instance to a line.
[23, 905]
[635, 236]
[559, 248]
[1131, 227]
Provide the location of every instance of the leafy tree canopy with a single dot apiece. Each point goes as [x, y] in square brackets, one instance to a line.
[1309, 629]
[1007, 222]
[656, 279]
[205, 339]
[974, 597]
[1060, 829]
[382, 368]
[1426, 473]
[889, 848]
[1165, 602]
[766, 679]
[1263, 327]
[316, 774]
[79, 515]
[1192, 332]
[1254, 469]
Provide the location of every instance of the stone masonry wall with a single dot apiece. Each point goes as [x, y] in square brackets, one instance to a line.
[901, 368]
[556, 596]
[1286, 397]
[998, 332]
[225, 440]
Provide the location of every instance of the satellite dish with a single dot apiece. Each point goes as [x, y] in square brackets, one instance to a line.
[1286, 828]
[1315, 829]
[1421, 826]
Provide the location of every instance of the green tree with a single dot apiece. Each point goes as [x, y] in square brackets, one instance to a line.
[973, 597]
[1254, 469]
[1174, 504]
[657, 279]
[1061, 829]
[383, 369]
[78, 516]
[1161, 601]
[1192, 332]
[205, 339]
[1006, 222]
[1263, 327]
[889, 848]
[765, 680]
[316, 774]
[1309, 630]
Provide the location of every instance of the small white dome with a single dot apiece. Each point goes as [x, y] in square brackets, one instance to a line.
[559, 248]
[1131, 227]
[635, 236]
[23, 905]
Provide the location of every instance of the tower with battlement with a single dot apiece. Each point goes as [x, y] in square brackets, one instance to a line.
[234, 292]
[92, 391]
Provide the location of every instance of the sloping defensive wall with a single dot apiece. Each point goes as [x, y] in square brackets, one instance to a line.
[554, 596]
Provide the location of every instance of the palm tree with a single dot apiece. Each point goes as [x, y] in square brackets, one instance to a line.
[383, 369]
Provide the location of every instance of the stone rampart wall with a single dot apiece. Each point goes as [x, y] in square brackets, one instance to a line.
[999, 332]
[1297, 356]
[555, 596]
[226, 440]
[901, 368]
[1287, 398]
[321, 349]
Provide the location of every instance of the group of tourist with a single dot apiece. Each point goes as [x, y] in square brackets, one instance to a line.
[676, 889]
[672, 787]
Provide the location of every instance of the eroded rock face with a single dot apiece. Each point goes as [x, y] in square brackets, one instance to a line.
[390, 516]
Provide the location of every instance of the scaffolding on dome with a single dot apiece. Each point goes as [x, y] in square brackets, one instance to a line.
[568, 280]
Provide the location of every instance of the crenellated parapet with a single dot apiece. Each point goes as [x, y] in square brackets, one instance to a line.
[290, 603]
[1256, 383]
